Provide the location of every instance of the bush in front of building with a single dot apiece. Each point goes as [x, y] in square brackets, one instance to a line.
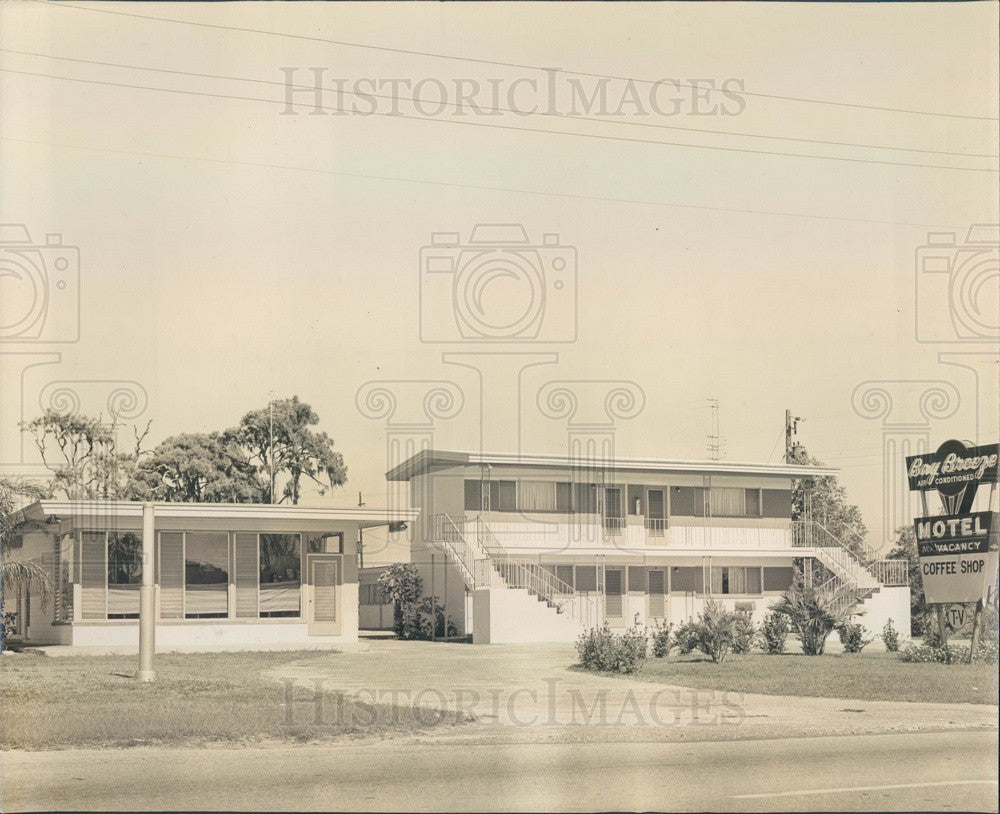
[401, 585]
[601, 649]
[661, 638]
[713, 632]
[426, 620]
[890, 637]
[744, 634]
[774, 633]
[852, 637]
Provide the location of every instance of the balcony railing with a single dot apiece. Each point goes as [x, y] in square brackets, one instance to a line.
[891, 573]
[656, 526]
[614, 525]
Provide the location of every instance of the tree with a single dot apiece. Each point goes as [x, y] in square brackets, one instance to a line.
[279, 440]
[200, 468]
[823, 499]
[905, 548]
[84, 455]
[401, 584]
[15, 492]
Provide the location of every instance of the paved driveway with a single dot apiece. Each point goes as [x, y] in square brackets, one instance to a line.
[529, 692]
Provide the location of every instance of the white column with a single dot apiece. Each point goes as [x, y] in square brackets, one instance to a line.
[147, 598]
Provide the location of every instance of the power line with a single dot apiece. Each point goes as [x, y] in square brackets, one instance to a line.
[502, 64]
[477, 187]
[511, 127]
[500, 109]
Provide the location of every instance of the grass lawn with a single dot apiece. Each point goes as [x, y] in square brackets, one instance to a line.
[857, 676]
[51, 703]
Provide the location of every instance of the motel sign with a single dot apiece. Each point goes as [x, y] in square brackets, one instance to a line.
[956, 560]
[958, 550]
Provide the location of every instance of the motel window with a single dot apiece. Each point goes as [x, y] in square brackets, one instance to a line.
[586, 498]
[473, 496]
[586, 577]
[206, 575]
[637, 578]
[371, 594]
[124, 574]
[280, 575]
[736, 580]
[564, 497]
[753, 502]
[778, 578]
[539, 496]
[776, 503]
[682, 501]
[722, 501]
[565, 574]
[331, 543]
[686, 579]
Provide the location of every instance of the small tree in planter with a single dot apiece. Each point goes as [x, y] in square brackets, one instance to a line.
[401, 584]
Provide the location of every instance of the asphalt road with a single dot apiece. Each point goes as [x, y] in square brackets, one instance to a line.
[912, 772]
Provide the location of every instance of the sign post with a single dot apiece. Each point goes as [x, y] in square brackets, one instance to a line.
[958, 549]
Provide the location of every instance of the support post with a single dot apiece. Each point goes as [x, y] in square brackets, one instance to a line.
[976, 624]
[433, 604]
[147, 598]
[942, 627]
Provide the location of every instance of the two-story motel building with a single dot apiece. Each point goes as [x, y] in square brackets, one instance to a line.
[518, 548]
[539, 547]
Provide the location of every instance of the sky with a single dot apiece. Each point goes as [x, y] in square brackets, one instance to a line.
[761, 250]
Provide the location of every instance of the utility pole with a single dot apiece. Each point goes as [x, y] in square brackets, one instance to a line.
[270, 445]
[792, 446]
[361, 537]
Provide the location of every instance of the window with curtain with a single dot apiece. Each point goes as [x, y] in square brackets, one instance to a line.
[280, 574]
[736, 579]
[206, 575]
[124, 574]
[535, 495]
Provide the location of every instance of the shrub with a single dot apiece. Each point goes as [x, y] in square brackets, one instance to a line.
[417, 621]
[813, 613]
[600, 649]
[890, 637]
[401, 584]
[661, 637]
[773, 633]
[713, 632]
[852, 636]
[931, 653]
[744, 634]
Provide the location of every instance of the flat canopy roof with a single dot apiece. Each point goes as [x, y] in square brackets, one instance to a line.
[65, 509]
[432, 459]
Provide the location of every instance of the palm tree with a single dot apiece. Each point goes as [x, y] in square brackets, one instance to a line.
[814, 613]
[15, 574]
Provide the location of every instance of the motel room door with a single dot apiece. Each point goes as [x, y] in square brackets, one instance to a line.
[614, 595]
[325, 578]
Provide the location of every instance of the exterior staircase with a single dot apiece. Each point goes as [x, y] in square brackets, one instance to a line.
[855, 572]
[484, 562]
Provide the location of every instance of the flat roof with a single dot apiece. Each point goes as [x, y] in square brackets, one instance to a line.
[430, 459]
[64, 509]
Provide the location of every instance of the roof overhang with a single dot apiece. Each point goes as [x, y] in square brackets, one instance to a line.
[57, 511]
[429, 460]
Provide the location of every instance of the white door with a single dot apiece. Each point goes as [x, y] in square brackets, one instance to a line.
[324, 612]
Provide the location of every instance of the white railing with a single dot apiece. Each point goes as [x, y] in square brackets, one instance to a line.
[656, 526]
[531, 577]
[447, 533]
[891, 573]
